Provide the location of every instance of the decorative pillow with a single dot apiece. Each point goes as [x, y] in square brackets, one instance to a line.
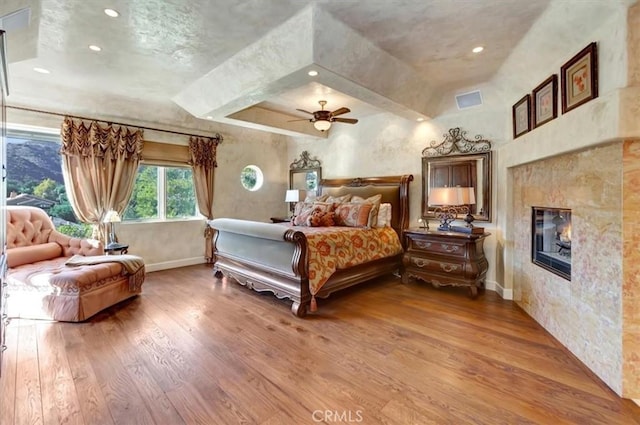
[301, 206]
[353, 214]
[302, 216]
[375, 200]
[321, 218]
[314, 198]
[384, 215]
[338, 199]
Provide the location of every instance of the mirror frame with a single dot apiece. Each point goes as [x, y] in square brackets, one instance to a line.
[457, 148]
[305, 164]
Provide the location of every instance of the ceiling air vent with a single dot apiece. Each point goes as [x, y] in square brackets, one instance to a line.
[16, 20]
[469, 100]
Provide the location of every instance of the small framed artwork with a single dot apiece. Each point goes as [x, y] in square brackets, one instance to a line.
[522, 116]
[545, 101]
[579, 78]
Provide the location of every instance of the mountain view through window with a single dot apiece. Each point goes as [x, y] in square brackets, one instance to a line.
[34, 178]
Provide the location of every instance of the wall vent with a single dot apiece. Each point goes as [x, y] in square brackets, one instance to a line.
[469, 100]
[16, 20]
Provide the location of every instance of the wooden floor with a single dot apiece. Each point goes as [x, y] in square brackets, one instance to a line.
[196, 350]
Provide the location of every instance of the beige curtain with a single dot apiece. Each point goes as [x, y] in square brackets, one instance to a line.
[203, 162]
[99, 166]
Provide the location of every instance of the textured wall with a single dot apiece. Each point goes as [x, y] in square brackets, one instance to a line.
[631, 270]
[585, 314]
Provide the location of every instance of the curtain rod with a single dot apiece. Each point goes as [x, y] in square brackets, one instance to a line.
[216, 136]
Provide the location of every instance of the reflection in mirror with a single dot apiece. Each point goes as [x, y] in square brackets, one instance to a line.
[457, 161]
[305, 174]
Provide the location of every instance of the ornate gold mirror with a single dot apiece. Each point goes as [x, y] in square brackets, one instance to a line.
[305, 173]
[458, 161]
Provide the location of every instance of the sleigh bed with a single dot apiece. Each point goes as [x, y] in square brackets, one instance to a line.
[275, 258]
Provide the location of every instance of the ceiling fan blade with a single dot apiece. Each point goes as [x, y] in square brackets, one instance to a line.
[306, 112]
[346, 120]
[340, 111]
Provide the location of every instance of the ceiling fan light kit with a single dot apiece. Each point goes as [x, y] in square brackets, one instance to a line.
[322, 125]
[322, 119]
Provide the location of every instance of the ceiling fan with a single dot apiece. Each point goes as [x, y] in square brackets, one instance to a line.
[322, 119]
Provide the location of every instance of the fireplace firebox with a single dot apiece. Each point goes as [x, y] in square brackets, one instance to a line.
[551, 240]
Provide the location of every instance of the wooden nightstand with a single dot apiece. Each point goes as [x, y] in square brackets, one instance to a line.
[280, 219]
[445, 258]
[116, 248]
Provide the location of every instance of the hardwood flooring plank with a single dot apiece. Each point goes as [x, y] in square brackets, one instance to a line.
[117, 385]
[8, 388]
[28, 390]
[92, 401]
[59, 398]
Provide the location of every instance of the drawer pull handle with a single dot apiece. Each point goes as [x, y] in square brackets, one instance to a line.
[448, 267]
[423, 244]
[420, 262]
[4, 348]
[450, 248]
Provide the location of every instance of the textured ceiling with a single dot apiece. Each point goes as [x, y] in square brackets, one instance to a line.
[222, 58]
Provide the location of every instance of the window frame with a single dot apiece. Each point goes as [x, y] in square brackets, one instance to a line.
[161, 192]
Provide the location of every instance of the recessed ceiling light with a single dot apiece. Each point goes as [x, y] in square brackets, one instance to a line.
[209, 117]
[312, 73]
[477, 49]
[419, 119]
[95, 48]
[112, 13]
[41, 70]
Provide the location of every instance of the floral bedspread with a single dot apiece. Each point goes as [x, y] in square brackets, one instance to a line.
[333, 248]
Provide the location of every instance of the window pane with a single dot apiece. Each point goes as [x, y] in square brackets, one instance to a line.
[144, 199]
[34, 178]
[181, 198]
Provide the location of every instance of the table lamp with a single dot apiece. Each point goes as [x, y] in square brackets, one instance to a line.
[111, 218]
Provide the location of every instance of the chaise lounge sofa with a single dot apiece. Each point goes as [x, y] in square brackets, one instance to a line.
[56, 277]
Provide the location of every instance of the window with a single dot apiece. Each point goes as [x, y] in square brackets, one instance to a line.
[34, 177]
[162, 193]
[251, 178]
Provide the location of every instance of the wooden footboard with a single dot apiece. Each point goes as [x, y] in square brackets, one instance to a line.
[255, 272]
[272, 258]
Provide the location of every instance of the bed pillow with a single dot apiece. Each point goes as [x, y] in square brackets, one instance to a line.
[338, 199]
[314, 198]
[302, 215]
[353, 214]
[384, 215]
[321, 218]
[375, 200]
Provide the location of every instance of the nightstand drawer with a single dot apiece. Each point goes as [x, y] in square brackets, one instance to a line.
[426, 264]
[438, 247]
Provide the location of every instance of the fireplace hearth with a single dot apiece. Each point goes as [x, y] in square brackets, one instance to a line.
[551, 240]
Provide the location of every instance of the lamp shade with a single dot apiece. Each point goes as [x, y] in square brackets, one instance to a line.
[468, 195]
[294, 195]
[445, 196]
[322, 125]
[112, 217]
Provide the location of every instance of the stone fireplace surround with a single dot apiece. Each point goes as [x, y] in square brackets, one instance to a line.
[596, 314]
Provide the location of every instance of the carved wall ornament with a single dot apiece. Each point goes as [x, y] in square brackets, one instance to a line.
[305, 161]
[456, 143]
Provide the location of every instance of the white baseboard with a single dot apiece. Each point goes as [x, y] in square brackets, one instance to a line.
[173, 264]
[506, 294]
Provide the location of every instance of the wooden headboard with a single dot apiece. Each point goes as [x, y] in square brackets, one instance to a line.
[394, 190]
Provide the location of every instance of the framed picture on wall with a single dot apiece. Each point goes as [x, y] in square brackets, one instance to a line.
[522, 116]
[579, 78]
[545, 101]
